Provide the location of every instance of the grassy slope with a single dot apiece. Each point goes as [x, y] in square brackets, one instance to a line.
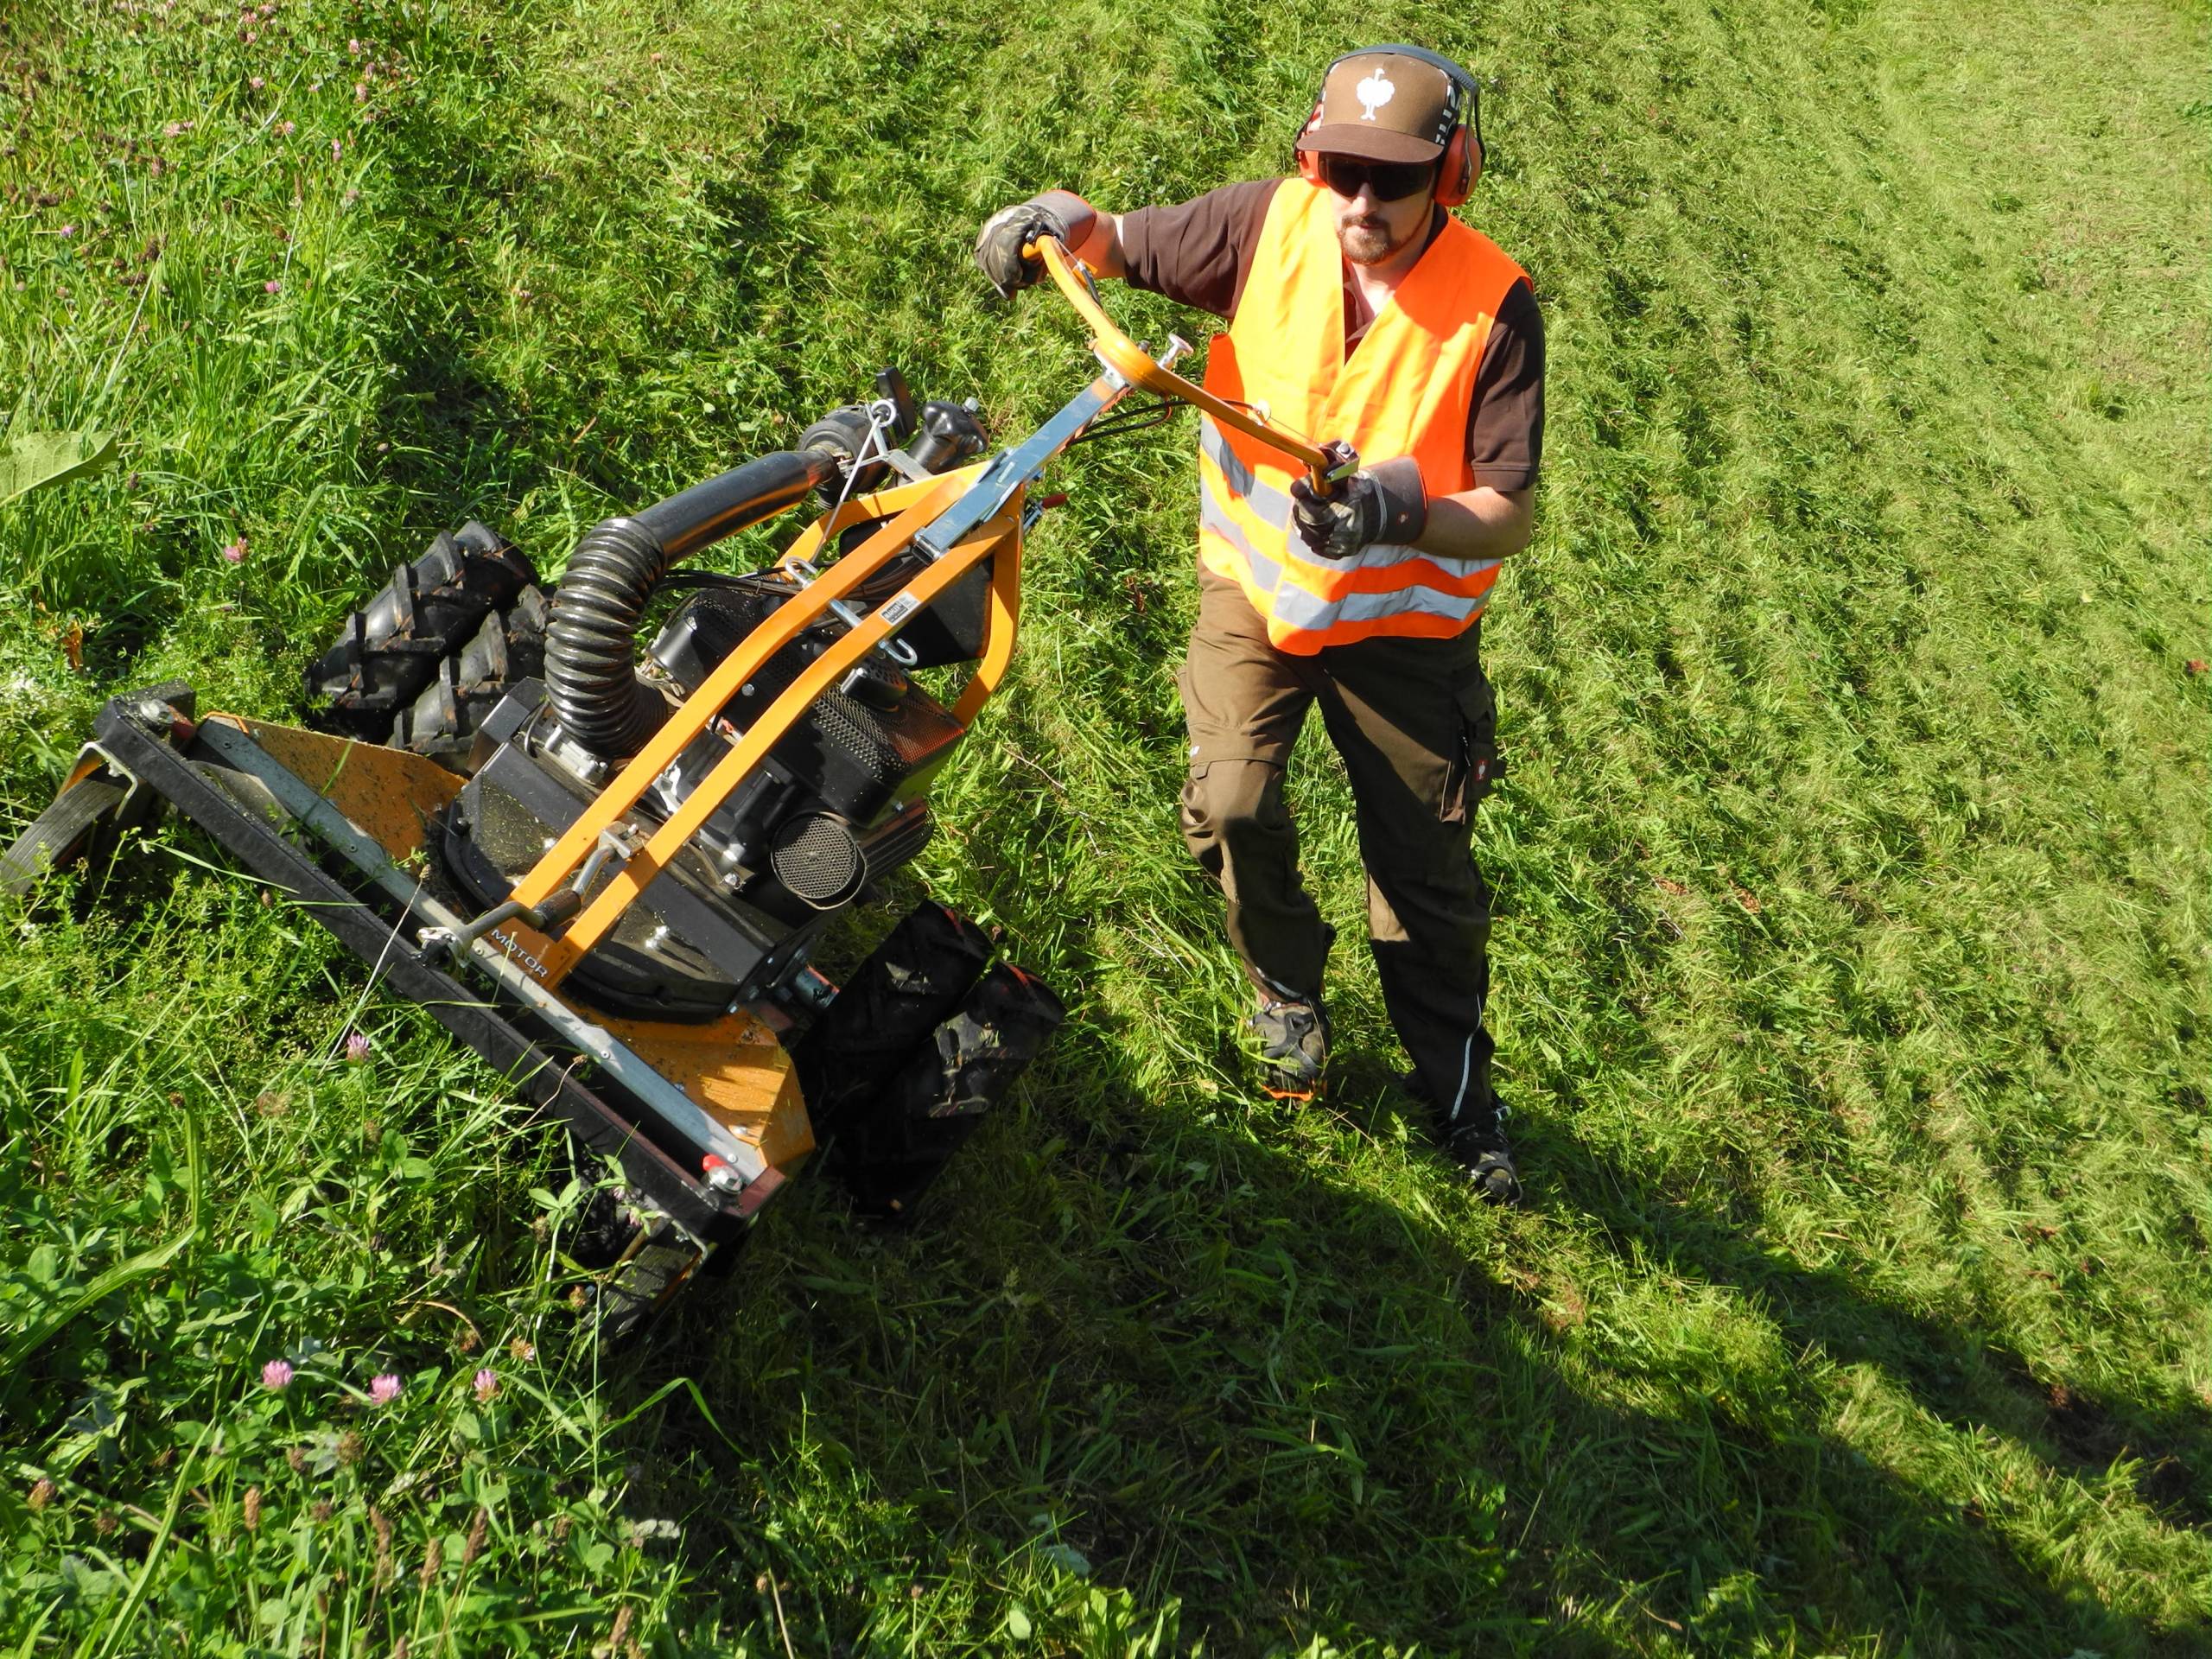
[1851, 948]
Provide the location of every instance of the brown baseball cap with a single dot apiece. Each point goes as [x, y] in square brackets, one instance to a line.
[1384, 106]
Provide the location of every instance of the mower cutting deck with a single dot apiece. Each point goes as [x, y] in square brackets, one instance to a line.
[606, 874]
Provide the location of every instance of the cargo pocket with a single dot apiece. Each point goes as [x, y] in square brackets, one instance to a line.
[1478, 765]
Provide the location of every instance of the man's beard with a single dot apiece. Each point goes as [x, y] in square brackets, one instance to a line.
[1367, 243]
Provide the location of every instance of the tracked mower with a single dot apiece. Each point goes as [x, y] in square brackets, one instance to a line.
[605, 870]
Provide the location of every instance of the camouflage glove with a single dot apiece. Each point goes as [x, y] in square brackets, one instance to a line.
[1005, 234]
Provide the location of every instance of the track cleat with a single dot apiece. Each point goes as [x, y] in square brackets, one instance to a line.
[1293, 1035]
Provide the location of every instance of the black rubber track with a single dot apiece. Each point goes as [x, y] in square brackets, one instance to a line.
[399, 642]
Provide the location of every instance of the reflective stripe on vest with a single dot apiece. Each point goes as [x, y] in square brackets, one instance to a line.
[1405, 392]
[1354, 615]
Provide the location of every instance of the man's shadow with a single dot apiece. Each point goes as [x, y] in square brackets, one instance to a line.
[1956, 1370]
[1185, 1339]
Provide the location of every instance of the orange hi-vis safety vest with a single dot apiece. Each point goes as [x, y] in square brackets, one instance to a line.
[1405, 391]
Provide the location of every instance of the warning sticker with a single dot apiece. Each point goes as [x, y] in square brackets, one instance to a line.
[898, 609]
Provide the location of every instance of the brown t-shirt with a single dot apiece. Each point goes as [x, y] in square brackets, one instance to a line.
[1199, 252]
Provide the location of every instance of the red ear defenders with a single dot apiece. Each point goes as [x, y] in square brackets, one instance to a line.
[1455, 169]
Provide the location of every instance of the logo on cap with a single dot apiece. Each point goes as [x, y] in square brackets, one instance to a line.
[1374, 93]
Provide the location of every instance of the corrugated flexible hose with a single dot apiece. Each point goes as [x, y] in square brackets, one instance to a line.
[591, 648]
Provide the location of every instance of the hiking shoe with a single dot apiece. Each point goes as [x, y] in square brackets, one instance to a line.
[1488, 1162]
[1294, 1046]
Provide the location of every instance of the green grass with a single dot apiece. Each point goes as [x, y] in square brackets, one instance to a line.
[1852, 870]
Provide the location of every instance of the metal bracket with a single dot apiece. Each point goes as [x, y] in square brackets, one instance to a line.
[1015, 468]
[132, 783]
[805, 573]
[905, 466]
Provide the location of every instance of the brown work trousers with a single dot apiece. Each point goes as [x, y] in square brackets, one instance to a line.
[1416, 727]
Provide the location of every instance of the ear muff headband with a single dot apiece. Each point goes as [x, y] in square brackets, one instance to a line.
[1456, 168]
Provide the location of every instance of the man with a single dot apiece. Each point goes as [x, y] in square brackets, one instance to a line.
[1361, 311]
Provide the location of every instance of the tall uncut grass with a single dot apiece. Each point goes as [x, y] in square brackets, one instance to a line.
[1851, 944]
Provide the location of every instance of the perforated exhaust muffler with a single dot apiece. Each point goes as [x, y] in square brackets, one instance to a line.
[816, 858]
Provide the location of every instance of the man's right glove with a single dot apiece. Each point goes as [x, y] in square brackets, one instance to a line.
[998, 248]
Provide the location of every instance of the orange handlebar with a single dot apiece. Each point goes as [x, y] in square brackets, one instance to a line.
[1134, 365]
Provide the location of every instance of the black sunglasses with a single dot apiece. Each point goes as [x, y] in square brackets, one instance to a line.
[1390, 181]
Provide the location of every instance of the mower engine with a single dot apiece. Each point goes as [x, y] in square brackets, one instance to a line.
[840, 801]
